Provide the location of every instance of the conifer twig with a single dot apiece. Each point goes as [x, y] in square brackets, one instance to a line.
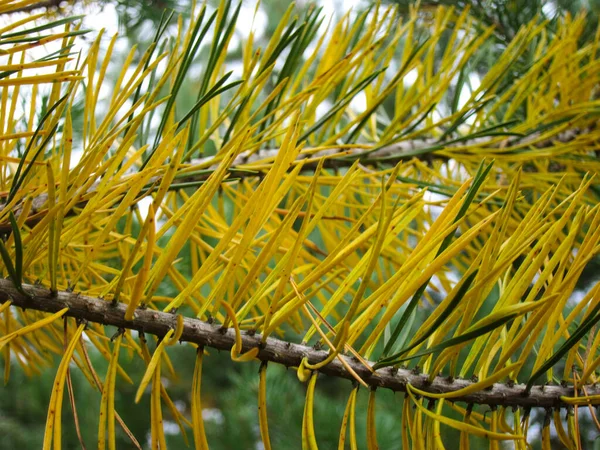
[278, 351]
[389, 154]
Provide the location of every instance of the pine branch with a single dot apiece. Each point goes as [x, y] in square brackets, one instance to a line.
[425, 149]
[278, 351]
[390, 155]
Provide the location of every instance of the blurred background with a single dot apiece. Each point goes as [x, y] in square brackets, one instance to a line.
[230, 390]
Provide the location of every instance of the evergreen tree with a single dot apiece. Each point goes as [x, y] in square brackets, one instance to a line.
[406, 199]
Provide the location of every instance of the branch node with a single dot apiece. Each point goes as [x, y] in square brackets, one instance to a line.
[117, 333]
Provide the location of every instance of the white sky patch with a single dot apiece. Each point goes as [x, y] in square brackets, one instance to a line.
[171, 428]
[534, 432]
[549, 9]
[411, 77]
[338, 7]
[147, 28]
[144, 206]
[122, 47]
[105, 17]
[235, 42]
[475, 81]
[435, 281]
[213, 415]
[576, 297]
[433, 210]
[237, 67]
[359, 103]
[323, 108]
[455, 171]
[249, 22]
[436, 116]
[466, 91]
[76, 155]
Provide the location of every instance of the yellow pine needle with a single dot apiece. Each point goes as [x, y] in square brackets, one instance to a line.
[6, 7]
[263, 258]
[546, 436]
[405, 425]
[196, 405]
[475, 387]
[581, 401]
[464, 436]
[7, 318]
[302, 372]
[157, 434]
[107, 402]
[12, 136]
[154, 361]
[262, 406]
[196, 206]
[572, 429]
[166, 181]
[285, 267]
[347, 347]
[334, 352]
[461, 426]
[142, 275]
[104, 351]
[399, 223]
[5, 305]
[178, 330]
[560, 431]
[385, 218]
[52, 228]
[236, 350]
[371, 431]
[69, 75]
[308, 429]
[349, 416]
[305, 368]
[519, 430]
[52, 433]
[415, 282]
[34, 326]
[180, 419]
[261, 209]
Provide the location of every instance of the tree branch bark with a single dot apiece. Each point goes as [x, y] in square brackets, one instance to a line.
[390, 155]
[278, 351]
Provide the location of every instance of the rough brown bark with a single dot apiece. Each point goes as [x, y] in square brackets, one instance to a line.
[278, 351]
